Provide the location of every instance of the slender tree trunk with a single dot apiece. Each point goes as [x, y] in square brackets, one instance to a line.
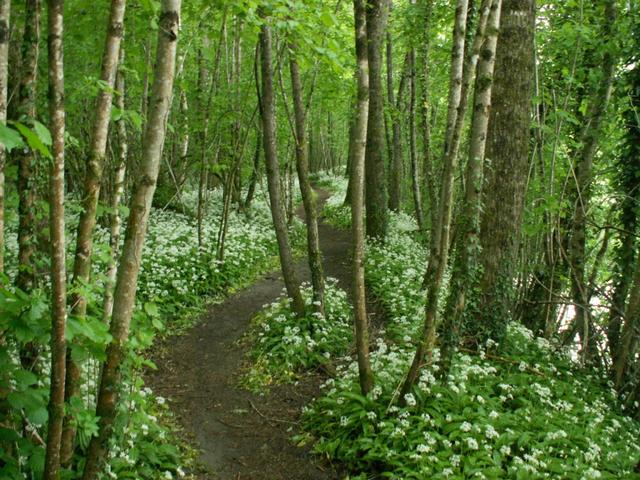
[140, 206]
[91, 195]
[395, 170]
[426, 124]
[273, 172]
[413, 155]
[357, 198]
[26, 106]
[440, 247]
[376, 189]
[629, 330]
[56, 227]
[255, 172]
[583, 178]
[5, 13]
[115, 223]
[508, 148]
[308, 195]
[465, 268]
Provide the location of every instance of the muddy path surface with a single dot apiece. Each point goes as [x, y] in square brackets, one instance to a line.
[241, 435]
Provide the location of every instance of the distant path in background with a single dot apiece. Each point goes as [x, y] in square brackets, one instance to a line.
[241, 435]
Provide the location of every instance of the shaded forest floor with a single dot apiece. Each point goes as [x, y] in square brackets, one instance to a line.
[242, 435]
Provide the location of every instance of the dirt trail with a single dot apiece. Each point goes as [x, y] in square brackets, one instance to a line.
[243, 436]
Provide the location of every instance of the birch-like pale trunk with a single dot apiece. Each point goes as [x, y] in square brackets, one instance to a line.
[357, 198]
[465, 267]
[57, 233]
[308, 195]
[438, 254]
[5, 13]
[273, 172]
[139, 208]
[115, 221]
[90, 197]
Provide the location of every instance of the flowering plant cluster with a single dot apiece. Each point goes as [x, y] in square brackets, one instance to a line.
[520, 410]
[284, 345]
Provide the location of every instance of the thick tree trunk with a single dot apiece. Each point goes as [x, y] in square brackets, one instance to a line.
[56, 228]
[308, 195]
[26, 106]
[273, 171]
[465, 268]
[376, 189]
[629, 331]
[5, 13]
[440, 245]
[508, 149]
[140, 206]
[115, 222]
[357, 198]
[90, 197]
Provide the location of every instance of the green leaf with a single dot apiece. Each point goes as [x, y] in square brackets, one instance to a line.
[10, 138]
[43, 133]
[33, 140]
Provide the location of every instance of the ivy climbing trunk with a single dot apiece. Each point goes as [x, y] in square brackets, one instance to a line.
[5, 13]
[26, 107]
[139, 208]
[357, 198]
[90, 197]
[57, 233]
[308, 195]
[375, 176]
[273, 171]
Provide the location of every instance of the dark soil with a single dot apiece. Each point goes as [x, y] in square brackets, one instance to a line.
[242, 435]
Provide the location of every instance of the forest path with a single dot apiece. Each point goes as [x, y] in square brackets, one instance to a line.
[241, 435]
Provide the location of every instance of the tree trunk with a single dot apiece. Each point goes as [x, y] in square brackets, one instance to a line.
[357, 198]
[376, 189]
[395, 170]
[140, 205]
[629, 331]
[308, 195]
[413, 155]
[440, 245]
[465, 268]
[583, 178]
[26, 106]
[56, 228]
[508, 149]
[273, 172]
[5, 13]
[115, 223]
[90, 197]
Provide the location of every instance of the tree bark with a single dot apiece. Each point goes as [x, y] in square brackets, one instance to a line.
[57, 232]
[357, 198]
[413, 154]
[440, 245]
[308, 195]
[583, 179]
[90, 198]
[375, 176]
[26, 106]
[273, 172]
[5, 13]
[508, 149]
[395, 171]
[140, 206]
[465, 268]
[115, 223]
